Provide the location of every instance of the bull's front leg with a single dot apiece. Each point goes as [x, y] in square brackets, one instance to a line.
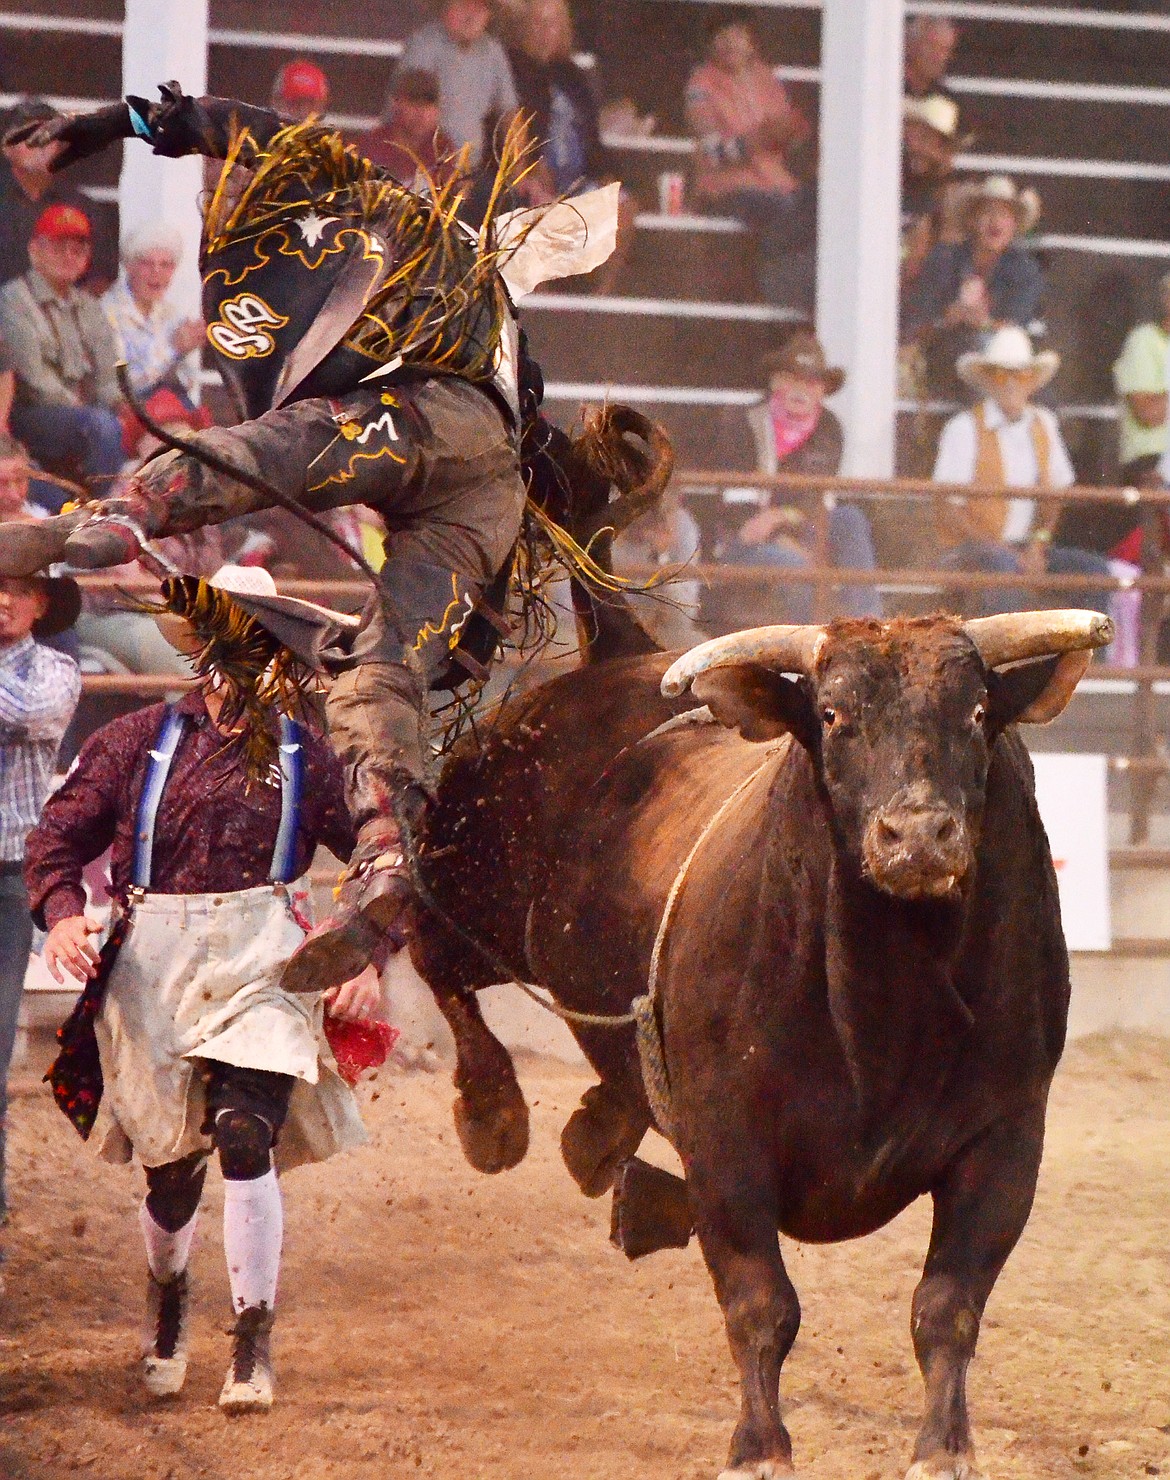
[736, 1223]
[980, 1210]
[491, 1114]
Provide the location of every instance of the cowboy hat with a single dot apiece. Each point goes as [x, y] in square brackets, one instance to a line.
[302, 627]
[935, 111]
[803, 356]
[1008, 348]
[63, 605]
[1024, 204]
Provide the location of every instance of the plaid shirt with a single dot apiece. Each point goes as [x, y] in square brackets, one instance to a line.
[39, 690]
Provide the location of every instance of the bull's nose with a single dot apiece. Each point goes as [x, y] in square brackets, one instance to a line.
[917, 852]
[911, 827]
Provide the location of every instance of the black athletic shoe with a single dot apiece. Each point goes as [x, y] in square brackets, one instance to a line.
[164, 1341]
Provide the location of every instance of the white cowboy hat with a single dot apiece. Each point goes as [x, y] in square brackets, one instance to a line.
[1025, 204]
[1008, 348]
[937, 112]
[304, 627]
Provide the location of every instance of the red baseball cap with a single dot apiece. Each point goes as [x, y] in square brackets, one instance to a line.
[302, 82]
[62, 223]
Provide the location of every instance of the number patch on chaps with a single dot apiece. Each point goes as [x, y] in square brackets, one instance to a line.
[242, 330]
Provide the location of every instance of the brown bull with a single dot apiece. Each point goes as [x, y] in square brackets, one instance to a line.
[838, 879]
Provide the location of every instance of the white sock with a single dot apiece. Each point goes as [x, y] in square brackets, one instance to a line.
[166, 1253]
[253, 1231]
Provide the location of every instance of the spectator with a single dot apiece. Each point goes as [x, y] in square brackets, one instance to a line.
[475, 81]
[1141, 380]
[39, 690]
[746, 131]
[22, 497]
[966, 288]
[1006, 442]
[930, 46]
[795, 432]
[300, 91]
[929, 144]
[7, 386]
[63, 351]
[26, 187]
[555, 92]
[667, 538]
[407, 138]
[156, 340]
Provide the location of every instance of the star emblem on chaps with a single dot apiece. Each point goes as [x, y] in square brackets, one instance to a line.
[313, 226]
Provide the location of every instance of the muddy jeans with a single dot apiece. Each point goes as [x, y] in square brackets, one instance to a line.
[436, 459]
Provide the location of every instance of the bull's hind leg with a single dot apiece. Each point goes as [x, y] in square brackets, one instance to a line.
[980, 1210]
[613, 1116]
[737, 1232]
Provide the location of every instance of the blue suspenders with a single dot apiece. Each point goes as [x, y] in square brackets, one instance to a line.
[158, 765]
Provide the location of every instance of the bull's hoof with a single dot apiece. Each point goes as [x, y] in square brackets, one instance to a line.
[945, 1467]
[599, 1135]
[492, 1132]
[651, 1210]
[761, 1469]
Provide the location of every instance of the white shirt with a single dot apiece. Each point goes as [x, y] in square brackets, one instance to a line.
[958, 447]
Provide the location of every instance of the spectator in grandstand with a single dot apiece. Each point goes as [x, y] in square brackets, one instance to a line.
[22, 494]
[930, 197]
[1140, 376]
[475, 81]
[39, 690]
[26, 187]
[967, 288]
[300, 91]
[156, 340]
[1005, 442]
[793, 431]
[748, 134]
[63, 351]
[556, 93]
[930, 47]
[408, 137]
[667, 538]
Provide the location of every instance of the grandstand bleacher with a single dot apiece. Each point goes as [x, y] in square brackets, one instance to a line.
[1070, 97]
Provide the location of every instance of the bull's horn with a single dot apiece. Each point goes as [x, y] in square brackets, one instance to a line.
[1017, 635]
[792, 649]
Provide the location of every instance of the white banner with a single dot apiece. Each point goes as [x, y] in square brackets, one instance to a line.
[1071, 793]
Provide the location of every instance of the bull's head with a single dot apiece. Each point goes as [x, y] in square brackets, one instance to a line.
[899, 719]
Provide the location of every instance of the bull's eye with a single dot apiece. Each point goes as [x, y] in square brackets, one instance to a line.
[829, 715]
[979, 715]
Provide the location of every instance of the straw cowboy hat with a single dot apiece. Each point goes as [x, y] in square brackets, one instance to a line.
[938, 113]
[803, 356]
[1025, 204]
[1008, 348]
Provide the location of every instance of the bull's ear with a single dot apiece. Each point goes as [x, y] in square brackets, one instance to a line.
[757, 701]
[1035, 693]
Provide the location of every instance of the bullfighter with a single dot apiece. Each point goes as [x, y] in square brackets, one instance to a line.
[371, 341]
[212, 807]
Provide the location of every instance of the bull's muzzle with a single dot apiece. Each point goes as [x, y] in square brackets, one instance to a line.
[917, 852]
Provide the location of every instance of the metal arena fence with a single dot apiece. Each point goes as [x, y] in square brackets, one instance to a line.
[920, 584]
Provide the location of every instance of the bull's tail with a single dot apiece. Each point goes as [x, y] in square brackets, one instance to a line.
[593, 487]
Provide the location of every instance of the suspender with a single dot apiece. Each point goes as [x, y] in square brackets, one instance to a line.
[292, 774]
[158, 767]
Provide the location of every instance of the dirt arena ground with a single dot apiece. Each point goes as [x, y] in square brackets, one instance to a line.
[436, 1322]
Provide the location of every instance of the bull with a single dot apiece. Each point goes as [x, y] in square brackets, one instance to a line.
[820, 847]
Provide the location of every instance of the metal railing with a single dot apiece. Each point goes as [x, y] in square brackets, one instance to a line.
[913, 586]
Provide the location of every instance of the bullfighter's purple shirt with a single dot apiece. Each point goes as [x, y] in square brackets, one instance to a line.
[211, 835]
